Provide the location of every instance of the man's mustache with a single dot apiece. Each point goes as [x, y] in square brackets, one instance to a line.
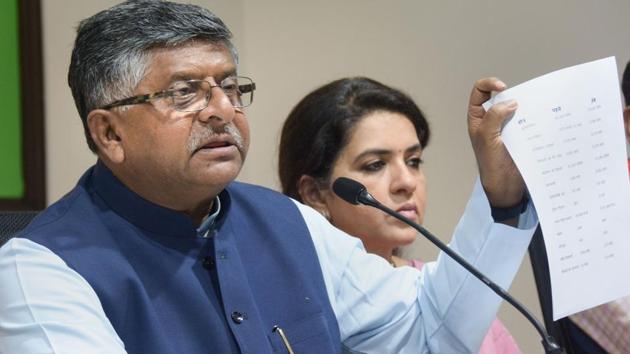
[199, 138]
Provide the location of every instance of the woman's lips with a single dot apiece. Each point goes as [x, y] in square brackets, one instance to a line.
[409, 211]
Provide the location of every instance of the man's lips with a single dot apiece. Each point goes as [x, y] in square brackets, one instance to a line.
[216, 143]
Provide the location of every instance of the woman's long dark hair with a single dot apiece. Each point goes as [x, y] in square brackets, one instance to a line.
[319, 126]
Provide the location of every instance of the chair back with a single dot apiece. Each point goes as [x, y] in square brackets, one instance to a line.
[12, 222]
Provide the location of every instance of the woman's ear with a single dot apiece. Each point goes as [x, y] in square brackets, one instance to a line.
[312, 195]
[104, 129]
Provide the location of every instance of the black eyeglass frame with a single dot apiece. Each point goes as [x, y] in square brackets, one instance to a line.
[170, 93]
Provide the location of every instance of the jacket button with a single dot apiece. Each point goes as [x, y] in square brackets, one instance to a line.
[207, 262]
[238, 317]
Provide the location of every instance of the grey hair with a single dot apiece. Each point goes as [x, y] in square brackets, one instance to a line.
[113, 48]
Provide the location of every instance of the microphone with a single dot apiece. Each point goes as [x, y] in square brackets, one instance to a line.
[355, 193]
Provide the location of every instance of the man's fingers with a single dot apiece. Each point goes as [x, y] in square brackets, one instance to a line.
[497, 114]
[483, 88]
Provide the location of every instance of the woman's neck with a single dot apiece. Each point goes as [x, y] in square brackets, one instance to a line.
[398, 261]
[388, 255]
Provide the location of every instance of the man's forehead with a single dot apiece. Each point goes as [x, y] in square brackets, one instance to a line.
[192, 44]
[197, 60]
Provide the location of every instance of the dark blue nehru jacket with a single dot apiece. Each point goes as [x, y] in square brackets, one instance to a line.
[166, 290]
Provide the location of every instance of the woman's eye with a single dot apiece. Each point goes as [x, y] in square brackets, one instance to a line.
[373, 166]
[414, 162]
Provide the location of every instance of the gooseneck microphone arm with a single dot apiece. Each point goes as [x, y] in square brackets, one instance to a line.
[355, 193]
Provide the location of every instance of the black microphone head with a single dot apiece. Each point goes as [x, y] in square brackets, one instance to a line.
[348, 189]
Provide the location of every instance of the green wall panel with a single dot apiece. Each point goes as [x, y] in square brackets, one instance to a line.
[11, 176]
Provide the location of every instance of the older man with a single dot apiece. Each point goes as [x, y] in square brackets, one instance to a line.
[157, 250]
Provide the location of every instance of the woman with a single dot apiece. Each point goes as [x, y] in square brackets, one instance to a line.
[364, 130]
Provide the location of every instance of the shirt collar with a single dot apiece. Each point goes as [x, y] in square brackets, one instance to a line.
[208, 222]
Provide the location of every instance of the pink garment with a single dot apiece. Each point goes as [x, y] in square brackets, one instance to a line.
[498, 340]
[608, 325]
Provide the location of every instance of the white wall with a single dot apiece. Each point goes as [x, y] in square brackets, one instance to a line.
[432, 50]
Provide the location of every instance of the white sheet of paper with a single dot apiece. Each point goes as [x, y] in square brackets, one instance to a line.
[567, 139]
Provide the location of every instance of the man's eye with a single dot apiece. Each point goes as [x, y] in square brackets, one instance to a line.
[230, 87]
[246, 88]
[183, 91]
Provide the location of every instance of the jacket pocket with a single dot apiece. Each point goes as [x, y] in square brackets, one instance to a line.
[307, 335]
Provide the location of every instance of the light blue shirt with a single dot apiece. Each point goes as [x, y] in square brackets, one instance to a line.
[205, 229]
[380, 309]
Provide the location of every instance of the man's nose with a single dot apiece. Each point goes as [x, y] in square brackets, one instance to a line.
[220, 110]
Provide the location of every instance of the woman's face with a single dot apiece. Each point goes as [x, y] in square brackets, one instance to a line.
[384, 154]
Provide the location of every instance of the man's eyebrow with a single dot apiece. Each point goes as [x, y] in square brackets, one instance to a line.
[191, 75]
[225, 75]
[182, 76]
[384, 152]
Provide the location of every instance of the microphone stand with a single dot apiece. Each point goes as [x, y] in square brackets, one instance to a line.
[548, 341]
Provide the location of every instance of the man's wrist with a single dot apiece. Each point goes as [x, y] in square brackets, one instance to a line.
[503, 214]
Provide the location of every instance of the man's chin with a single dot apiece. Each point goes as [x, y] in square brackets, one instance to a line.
[220, 172]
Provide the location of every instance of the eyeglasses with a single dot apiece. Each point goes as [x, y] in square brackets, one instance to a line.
[194, 95]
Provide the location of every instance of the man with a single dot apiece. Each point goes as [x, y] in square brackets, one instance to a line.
[157, 250]
[607, 326]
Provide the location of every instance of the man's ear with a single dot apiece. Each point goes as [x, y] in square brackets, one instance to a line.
[104, 129]
[312, 195]
[626, 121]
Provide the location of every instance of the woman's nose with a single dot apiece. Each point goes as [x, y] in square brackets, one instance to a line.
[404, 180]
